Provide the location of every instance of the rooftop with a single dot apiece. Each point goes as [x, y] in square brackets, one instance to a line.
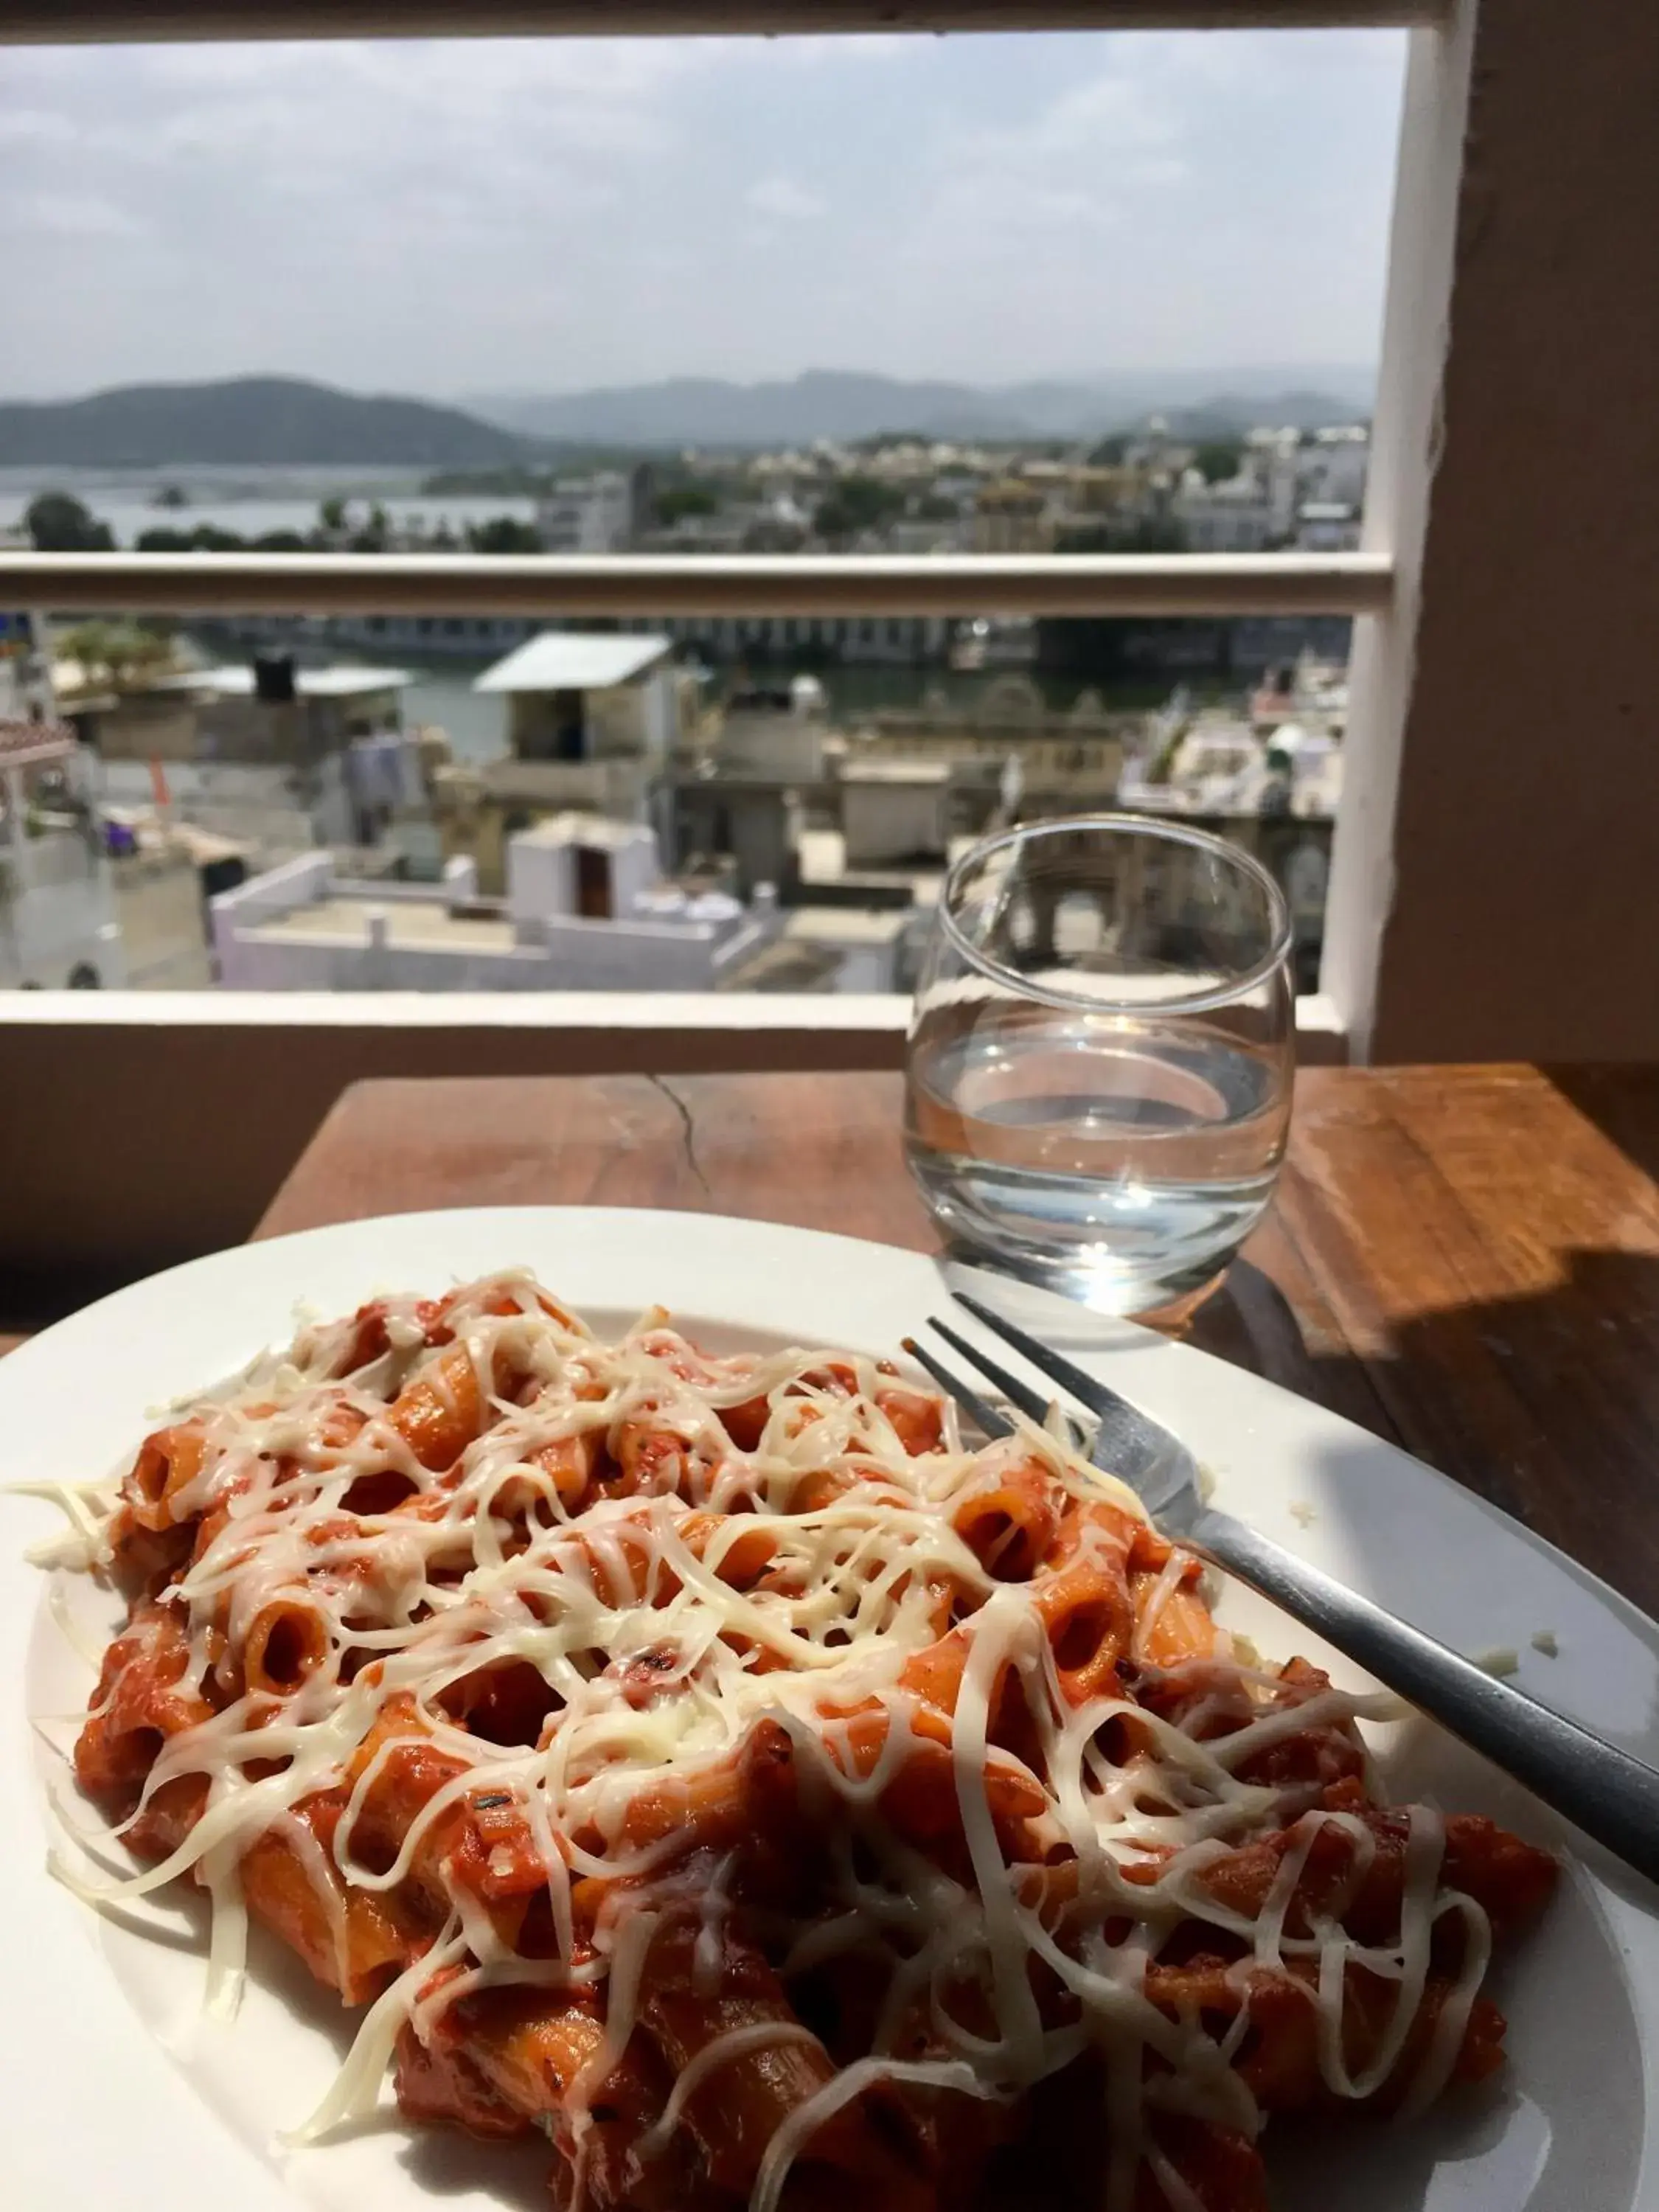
[22, 745]
[576, 784]
[575, 829]
[897, 771]
[235, 680]
[574, 660]
[845, 924]
[414, 923]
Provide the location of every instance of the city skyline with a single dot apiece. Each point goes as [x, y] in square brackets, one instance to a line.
[549, 215]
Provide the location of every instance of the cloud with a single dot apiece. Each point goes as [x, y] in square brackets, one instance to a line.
[541, 214]
[784, 200]
[72, 215]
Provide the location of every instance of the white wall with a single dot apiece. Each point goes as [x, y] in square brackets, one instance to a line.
[865, 968]
[558, 951]
[885, 822]
[661, 713]
[540, 879]
[635, 870]
[576, 955]
[299, 882]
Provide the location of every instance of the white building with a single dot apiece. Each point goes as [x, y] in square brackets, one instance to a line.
[587, 514]
[588, 696]
[1235, 516]
[585, 910]
[58, 921]
[1334, 467]
[1327, 526]
[329, 764]
[895, 810]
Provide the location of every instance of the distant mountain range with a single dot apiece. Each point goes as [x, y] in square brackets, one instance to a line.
[835, 404]
[248, 419]
[282, 420]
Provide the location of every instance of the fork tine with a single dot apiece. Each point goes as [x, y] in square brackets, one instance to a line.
[1083, 1387]
[1030, 1403]
[980, 1410]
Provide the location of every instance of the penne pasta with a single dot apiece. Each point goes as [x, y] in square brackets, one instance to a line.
[716, 1769]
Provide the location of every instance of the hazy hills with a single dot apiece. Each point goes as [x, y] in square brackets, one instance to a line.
[248, 419]
[835, 404]
[281, 420]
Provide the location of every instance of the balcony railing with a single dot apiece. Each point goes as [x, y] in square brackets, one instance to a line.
[56, 22]
[626, 584]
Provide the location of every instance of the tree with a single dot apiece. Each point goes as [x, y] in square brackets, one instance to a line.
[332, 516]
[503, 533]
[674, 503]
[57, 523]
[1218, 459]
[116, 652]
[1108, 454]
[857, 504]
[171, 496]
[375, 533]
[209, 537]
[206, 537]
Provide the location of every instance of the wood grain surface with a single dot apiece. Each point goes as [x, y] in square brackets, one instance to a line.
[1463, 1260]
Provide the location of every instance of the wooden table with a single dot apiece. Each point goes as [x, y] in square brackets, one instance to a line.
[1464, 1260]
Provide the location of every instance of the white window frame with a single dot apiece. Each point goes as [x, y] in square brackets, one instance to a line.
[1409, 971]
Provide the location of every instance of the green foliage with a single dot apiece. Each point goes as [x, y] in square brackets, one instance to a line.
[932, 508]
[171, 496]
[205, 538]
[675, 501]
[856, 504]
[1108, 454]
[503, 533]
[1218, 460]
[58, 523]
[375, 533]
[116, 652]
[332, 516]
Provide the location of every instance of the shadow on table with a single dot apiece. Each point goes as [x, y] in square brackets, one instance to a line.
[1545, 1404]
[1622, 1102]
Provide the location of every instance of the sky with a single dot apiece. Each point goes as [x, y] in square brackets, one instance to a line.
[543, 215]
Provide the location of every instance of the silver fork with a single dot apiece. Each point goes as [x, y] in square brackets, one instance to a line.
[1612, 1797]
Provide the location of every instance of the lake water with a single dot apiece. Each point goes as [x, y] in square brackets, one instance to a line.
[249, 501]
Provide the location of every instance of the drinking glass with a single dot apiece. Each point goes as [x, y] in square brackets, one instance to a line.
[1098, 1074]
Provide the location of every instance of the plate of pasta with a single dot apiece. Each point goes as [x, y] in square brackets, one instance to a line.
[543, 1706]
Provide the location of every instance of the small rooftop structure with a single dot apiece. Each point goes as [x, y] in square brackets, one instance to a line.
[235, 680]
[585, 909]
[574, 660]
[31, 744]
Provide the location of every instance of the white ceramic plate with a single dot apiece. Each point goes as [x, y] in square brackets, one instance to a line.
[115, 2091]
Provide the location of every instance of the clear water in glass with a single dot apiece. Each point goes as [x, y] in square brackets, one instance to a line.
[1099, 1100]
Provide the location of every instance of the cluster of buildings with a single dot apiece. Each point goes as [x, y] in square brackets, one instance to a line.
[1272, 489]
[265, 825]
[272, 823]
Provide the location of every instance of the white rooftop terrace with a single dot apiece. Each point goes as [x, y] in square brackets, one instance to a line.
[574, 660]
[235, 680]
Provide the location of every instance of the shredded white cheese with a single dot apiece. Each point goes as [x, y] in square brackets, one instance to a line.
[663, 1647]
